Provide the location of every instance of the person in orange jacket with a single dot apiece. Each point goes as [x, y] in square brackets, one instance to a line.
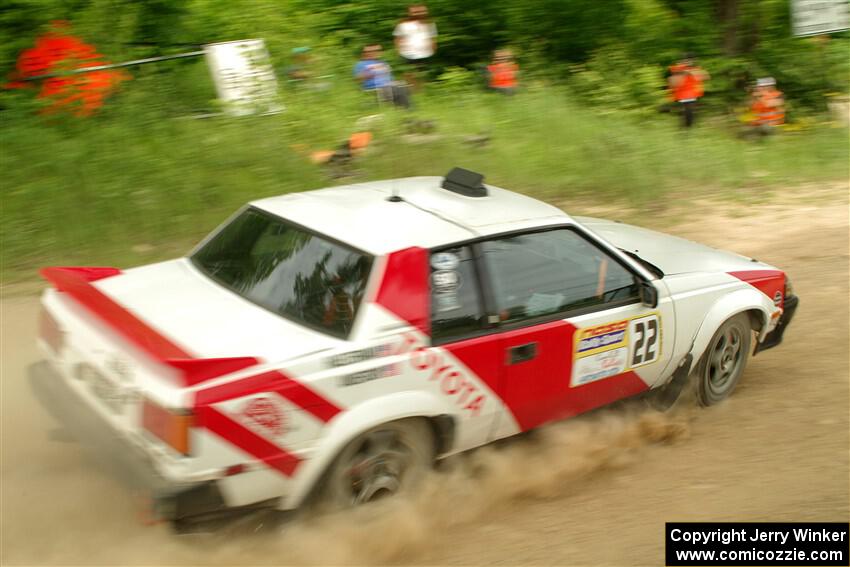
[767, 106]
[503, 72]
[686, 84]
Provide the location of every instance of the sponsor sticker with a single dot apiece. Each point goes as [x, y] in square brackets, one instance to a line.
[264, 414]
[445, 281]
[444, 261]
[445, 284]
[603, 351]
[601, 337]
[598, 366]
[355, 356]
[368, 375]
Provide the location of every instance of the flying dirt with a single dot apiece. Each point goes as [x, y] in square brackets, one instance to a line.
[593, 490]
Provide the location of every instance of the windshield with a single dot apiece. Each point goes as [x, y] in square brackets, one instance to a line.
[288, 270]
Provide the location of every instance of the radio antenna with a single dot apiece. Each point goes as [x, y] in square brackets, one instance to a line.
[394, 196]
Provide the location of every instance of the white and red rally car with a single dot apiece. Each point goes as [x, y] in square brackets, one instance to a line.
[334, 343]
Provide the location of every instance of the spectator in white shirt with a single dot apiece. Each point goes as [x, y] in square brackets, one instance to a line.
[416, 37]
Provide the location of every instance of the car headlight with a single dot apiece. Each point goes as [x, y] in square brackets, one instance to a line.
[789, 287]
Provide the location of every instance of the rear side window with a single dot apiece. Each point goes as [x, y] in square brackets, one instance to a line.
[556, 271]
[286, 269]
[456, 308]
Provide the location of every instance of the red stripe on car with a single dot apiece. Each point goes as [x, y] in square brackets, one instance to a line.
[271, 381]
[87, 273]
[76, 282]
[253, 444]
[769, 282]
[404, 287]
[198, 370]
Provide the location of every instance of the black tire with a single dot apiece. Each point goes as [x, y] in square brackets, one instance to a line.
[388, 459]
[724, 360]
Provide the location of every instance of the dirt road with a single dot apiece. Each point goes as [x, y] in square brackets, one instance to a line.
[592, 491]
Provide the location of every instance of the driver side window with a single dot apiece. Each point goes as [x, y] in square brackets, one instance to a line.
[555, 271]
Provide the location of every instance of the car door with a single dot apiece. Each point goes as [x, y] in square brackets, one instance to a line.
[573, 332]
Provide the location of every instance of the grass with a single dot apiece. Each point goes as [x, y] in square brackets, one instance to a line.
[142, 181]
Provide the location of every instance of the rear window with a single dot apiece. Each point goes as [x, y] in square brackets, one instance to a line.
[289, 270]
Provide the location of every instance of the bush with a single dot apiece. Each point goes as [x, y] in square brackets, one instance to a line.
[458, 79]
[611, 80]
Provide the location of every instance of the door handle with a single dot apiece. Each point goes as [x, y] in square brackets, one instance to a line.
[522, 353]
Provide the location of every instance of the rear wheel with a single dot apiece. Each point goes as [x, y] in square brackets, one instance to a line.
[724, 360]
[381, 462]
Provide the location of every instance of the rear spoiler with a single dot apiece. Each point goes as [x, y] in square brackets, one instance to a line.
[76, 283]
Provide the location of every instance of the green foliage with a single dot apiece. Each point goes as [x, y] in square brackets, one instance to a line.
[611, 80]
[736, 40]
[140, 182]
[144, 179]
[807, 68]
[458, 79]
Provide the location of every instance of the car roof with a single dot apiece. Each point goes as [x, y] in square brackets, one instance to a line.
[426, 215]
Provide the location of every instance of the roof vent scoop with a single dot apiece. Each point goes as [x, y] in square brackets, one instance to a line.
[465, 182]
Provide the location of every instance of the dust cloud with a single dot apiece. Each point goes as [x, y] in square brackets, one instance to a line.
[550, 462]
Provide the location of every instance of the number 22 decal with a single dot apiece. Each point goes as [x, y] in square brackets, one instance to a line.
[646, 343]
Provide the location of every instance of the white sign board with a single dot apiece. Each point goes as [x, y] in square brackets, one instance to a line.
[815, 17]
[243, 76]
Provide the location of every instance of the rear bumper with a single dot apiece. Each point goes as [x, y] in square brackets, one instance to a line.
[774, 338]
[128, 463]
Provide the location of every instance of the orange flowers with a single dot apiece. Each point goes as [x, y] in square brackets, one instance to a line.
[58, 52]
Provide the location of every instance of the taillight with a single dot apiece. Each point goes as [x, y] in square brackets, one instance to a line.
[169, 426]
[49, 330]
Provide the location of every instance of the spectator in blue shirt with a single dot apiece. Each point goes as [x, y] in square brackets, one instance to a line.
[373, 72]
[375, 75]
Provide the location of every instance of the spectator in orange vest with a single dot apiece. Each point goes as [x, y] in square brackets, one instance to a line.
[686, 84]
[503, 72]
[767, 106]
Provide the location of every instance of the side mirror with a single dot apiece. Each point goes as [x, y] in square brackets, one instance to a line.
[648, 294]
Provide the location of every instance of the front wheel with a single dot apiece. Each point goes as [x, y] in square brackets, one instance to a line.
[388, 459]
[724, 360]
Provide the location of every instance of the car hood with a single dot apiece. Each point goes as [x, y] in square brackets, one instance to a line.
[206, 319]
[673, 255]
